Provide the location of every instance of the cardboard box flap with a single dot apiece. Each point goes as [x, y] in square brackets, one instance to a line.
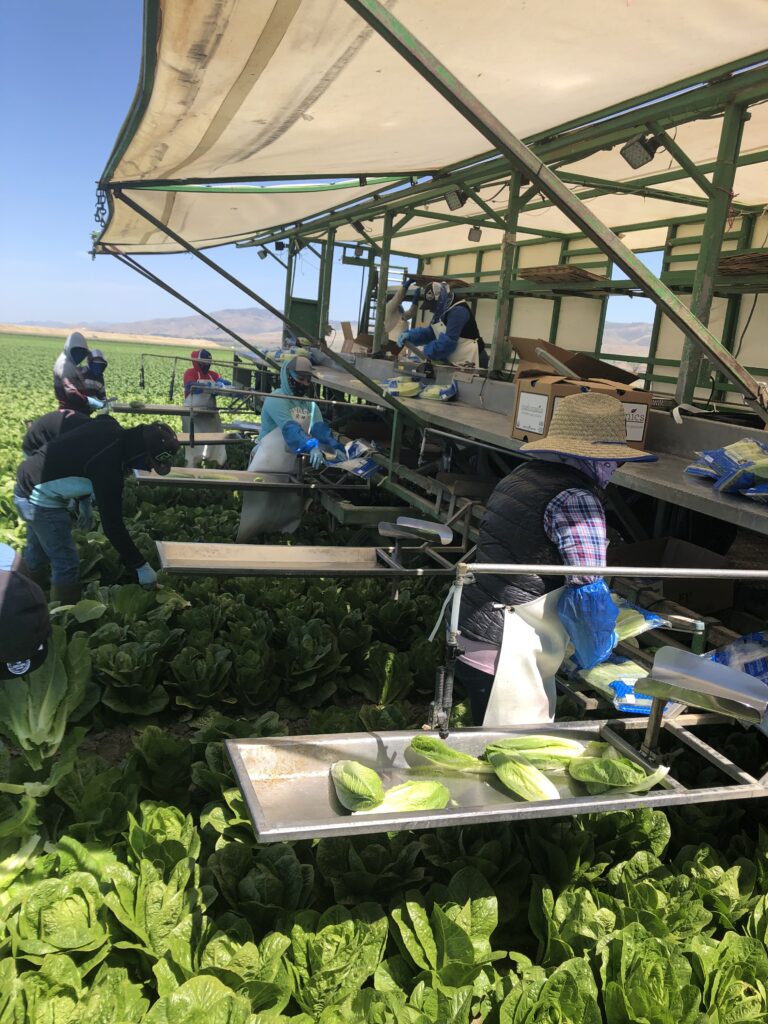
[583, 366]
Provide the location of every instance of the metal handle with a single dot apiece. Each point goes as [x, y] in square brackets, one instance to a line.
[504, 569]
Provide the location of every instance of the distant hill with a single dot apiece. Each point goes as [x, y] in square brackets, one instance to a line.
[257, 325]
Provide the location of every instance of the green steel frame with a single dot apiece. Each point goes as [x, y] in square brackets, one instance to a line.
[526, 162]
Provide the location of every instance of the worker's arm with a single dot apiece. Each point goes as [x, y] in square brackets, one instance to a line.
[75, 396]
[446, 343]
[575, 523]
[107, 482]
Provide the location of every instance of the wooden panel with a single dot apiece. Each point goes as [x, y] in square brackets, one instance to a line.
[256, 559]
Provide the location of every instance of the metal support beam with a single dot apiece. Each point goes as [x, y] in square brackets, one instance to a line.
[501, 315]
[381, 289]
[326, 277]
[711, 244]
[682, 158]
[350, 368]
[521, 158]
[288, 286]
[129, 261]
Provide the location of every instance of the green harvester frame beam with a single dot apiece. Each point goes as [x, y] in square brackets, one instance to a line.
[538, 173]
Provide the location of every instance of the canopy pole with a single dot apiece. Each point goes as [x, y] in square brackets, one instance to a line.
[711, 245]
[381, 290]
[296, 329]
[522, 158]
[129, 261]
[326, 279]
[501, 316]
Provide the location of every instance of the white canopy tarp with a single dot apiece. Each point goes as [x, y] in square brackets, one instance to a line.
[305, 88]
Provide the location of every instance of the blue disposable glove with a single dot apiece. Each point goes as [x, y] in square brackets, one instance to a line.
[405, 336]
[589, 617]
[221, 383]
[94, 403]
[323, 433]
[146, 575]
[316, 458]
[84, 514]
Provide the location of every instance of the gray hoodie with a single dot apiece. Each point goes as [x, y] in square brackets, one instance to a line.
[68, 381]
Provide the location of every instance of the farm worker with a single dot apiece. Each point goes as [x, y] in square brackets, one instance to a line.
[24, 621]
[68, 380]
[200, 373]
[515, 629]
[86, 464]
[453, 335]
[93, 375]
[300, 424]
[290, 427]
[45, 428]
[199, 384]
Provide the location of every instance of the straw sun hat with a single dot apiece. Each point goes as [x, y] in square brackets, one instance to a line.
[589, 425]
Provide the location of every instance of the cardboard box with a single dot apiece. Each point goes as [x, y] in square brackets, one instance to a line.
[579, 365]
[702, 596]
[538, 397]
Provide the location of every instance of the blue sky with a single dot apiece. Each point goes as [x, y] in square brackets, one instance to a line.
[68, 72]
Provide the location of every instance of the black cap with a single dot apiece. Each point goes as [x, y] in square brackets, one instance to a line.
[24, 625]
[161, 444]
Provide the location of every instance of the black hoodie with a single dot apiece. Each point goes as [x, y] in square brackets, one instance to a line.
[103, 452]
[45, 428]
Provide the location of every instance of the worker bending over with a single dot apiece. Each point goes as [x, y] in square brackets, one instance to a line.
[83, 465]
[68, 379]
[290, 426]
[549, 511]
[453, 335]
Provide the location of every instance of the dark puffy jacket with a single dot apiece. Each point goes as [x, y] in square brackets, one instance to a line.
[512, 532]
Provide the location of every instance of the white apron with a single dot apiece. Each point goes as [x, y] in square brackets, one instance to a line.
[532, 650]
[207, 421]
[271, 511]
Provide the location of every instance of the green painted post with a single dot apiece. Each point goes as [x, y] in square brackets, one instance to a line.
[326, 277]
[712, 241]
[501, 317]
[288, 290]
[381, 290]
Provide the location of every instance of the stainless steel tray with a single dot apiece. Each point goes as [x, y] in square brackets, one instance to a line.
[289, 793]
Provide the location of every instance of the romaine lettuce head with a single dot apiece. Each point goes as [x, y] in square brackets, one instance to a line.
[441, 755]
[358, 788]
[426, 795]
[548, 753]
[521, 777]
[617, 774]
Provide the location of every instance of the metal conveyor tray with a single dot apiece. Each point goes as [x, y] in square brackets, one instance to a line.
[289, 793]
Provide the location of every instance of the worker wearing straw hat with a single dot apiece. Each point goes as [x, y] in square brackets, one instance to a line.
[515, 629]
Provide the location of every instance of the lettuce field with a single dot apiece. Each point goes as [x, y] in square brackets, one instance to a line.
[131, 886]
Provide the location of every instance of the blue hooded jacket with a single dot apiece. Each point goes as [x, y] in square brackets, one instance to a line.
[294, 418]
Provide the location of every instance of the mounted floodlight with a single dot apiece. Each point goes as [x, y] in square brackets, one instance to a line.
[358, 226]
[359, 252]
[279, 246]
[475, 234]
[640, 150]
[263, 254]
[455, 199]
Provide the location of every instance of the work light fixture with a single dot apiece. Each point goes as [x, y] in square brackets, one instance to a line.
[279, 246]
[475, 234]
[358, 252]
[455, 199]
[640, 150]
[358, 226]
[263, 254]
